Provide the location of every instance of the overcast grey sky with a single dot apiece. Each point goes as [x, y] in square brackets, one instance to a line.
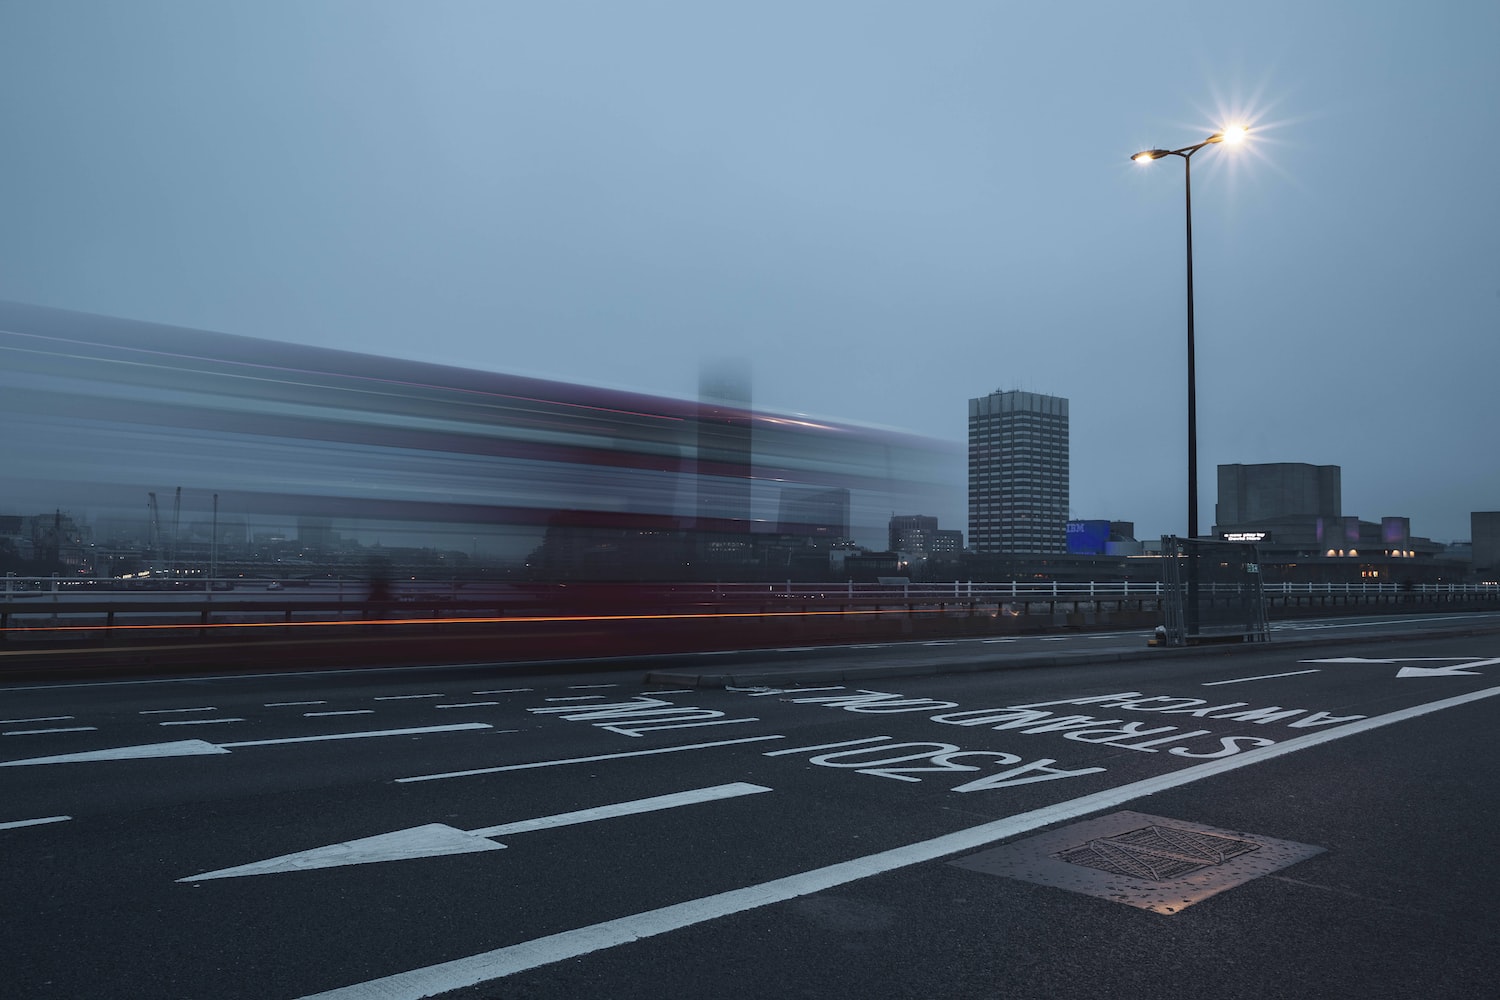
[890, 207]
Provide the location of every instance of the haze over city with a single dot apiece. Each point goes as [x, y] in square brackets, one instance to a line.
[888, 208]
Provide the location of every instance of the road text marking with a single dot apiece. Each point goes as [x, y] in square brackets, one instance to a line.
[502, 962]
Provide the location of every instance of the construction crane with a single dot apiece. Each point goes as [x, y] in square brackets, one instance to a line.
[176, 523]
[153, 539]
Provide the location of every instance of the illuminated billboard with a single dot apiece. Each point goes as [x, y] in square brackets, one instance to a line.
[1087, 538]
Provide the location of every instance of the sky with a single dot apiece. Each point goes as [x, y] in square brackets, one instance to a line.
[889, 208]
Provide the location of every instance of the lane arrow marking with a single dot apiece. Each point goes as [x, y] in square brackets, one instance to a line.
[192, 748]
[439, 839]
[1364, 659]
[1451, 671]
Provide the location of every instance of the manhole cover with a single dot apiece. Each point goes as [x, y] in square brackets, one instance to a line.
[1149, 862]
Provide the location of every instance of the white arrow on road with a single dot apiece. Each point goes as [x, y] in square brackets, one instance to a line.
[1453, 670]
[438, 839]
[193, 748]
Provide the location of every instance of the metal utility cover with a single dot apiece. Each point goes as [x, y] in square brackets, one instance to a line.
[1163, 865]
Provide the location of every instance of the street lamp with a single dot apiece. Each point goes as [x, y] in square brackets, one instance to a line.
[1230, 135]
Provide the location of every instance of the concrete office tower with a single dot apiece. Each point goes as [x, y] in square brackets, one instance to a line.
[724, 450]
[1018, 474]
[1250, 493]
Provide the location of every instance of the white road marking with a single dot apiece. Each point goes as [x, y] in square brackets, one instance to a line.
[1453, 670]
[418, 731]
[652, 804]
[1056, 638]
[578, 697]
[18, 823]
[504, 691]
[348, 711]
[406, 697]
[45, 718]
[178, 748]
[1449, 671]
[197, 722]
[43, 732]
[987, 641]
[439, 839]
[502, 962]
[175, 711]
[590, 687]
[586, 760]
[827, 746]
[468, 704]
[290, 704]
[189, 748]
[1262, 677]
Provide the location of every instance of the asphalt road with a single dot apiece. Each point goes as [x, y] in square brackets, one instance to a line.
[1306, 819]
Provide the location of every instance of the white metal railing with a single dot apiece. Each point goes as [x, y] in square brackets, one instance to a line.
[97, 589]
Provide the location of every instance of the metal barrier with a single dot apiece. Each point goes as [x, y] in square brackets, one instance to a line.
[1214, 592]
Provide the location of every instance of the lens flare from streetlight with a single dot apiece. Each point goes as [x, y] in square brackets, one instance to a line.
[1233, 134]
[1143, 157]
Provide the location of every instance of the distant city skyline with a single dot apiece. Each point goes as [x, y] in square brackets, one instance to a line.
[872, 201]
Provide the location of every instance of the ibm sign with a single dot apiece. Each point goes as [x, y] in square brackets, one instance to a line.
[1087, 538]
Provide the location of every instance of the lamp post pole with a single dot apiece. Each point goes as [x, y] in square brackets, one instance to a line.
[1231, 135]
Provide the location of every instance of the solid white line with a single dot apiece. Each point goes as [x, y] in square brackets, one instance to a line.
[504, 691]
[586, 760]
[290, 704]
[197, 722]
[468, 704]
[352, 711]
[1262, 677]
[17, 824]
[175, 711]
[622, 809]
[502, 962]
[359, 736]
[996, 640]
[45, 718]
[406, 697]
[578, 697]
[41, 732]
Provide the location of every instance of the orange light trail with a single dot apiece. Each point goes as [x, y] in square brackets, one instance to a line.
[513, 620]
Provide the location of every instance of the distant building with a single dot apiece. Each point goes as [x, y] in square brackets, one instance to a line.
[1250, 493]
[815, 512]
[724, 449]
[910, 533]
[1291, 512]
[919, 537]
[1018, 473]
[1102, 538]
[1484, 526]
